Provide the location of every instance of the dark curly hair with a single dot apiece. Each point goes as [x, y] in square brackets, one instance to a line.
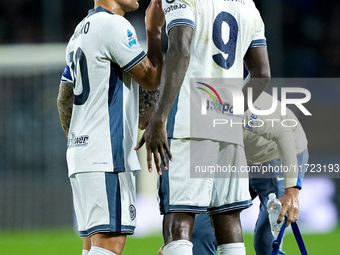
[147, 100]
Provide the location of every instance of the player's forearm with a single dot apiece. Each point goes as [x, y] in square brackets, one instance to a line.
[174, 70]
[65, 105]
[65, 113]
[258, 85]
[257, 63]
[154, 21]
[155, 52]
[286, 146]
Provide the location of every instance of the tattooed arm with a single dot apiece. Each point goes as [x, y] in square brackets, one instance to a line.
[65, 104]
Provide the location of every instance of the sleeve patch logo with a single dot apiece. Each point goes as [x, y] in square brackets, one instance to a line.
[131, 39]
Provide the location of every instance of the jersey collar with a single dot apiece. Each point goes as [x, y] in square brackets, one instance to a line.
[98, 9]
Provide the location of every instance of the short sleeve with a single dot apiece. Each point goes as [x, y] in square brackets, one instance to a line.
[121, 44]
[179, 13]
[259, 39]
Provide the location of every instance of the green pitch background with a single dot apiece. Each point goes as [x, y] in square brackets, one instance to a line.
[67, 242]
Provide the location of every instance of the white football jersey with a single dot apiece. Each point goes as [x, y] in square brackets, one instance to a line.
[223, 32]
[104, 123]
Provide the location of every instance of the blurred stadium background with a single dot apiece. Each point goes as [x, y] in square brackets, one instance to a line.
[35, 196]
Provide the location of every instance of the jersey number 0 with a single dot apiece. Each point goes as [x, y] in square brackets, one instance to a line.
[80, 59]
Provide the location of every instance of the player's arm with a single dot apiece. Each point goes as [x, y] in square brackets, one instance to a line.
[147, 101]
[285, 141]
[65, 104]
[148, 72]
[257, 62]
[174, 68]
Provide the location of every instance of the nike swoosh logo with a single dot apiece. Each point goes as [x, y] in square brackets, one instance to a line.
[280, 178]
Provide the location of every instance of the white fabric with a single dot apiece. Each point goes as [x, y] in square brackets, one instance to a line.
[96, 198]
[85, 252]
[100, 251]
[190, 191]
[232, 249]
[179, 247]
[104, 125]
[223, 30]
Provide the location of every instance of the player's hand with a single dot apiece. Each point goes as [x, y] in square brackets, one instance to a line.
[290, 205]
[154, 16]
[155, 139]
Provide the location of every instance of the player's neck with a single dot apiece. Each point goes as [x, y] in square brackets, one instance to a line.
[110, 6]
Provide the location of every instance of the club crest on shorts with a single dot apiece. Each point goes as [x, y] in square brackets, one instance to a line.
[132, 210]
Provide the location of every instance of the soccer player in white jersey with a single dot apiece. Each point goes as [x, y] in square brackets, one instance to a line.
[198, 48]
[98, 108]
[277, 154]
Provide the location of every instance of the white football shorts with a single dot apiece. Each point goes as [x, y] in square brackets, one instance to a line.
[179, 192]
[104, 202]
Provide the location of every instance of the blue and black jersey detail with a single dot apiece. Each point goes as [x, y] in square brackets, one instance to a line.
[134, 62]
[115, 104]
[66, 76]
[258, 43]
[181, 22]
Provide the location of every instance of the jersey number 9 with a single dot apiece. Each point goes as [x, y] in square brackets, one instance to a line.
[229, 47]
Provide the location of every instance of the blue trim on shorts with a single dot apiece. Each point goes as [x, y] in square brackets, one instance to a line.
[230, 207]
[83, 234]
[114, 201]
[98, 229]
[127, 229]
[188, 208]
[106, 229]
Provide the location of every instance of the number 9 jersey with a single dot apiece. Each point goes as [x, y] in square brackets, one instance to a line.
[104, 123]
[223, 32]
